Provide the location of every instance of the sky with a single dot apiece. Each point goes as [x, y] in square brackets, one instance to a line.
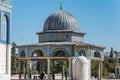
[100, 19]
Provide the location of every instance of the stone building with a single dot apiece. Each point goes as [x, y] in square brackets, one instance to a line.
[62, 41]
[5, 26]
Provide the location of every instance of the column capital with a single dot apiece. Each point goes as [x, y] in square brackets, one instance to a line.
[48, 59]
[69, 59]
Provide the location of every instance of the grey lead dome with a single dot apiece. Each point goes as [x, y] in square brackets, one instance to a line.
[61, 20]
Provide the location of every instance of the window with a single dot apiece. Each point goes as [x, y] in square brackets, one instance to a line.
[4, 28]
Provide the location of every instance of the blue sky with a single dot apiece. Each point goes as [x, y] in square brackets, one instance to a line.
[100, 19]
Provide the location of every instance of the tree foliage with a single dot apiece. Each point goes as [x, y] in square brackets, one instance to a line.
[110, 65]
[58, 67]
[105, 71]
[94, 68]
[14, 59]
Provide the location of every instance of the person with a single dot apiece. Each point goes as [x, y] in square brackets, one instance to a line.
[42, 75]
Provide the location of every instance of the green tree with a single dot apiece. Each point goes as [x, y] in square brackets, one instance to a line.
[14, 59]
[94, 68]
[58, 67]
[105, 71]
[110, 65]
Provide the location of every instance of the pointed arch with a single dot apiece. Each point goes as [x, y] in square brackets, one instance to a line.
[60, 52]
[4, 27]
[81, 52]
[97, 54]
[37, 53]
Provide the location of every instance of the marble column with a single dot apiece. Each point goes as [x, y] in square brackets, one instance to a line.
[53, 75]
[28, 69]
[19, 69]
[62, 70]
[48, 68]
[41, 66]
[70, 68]
[99, 70]
[25, 69]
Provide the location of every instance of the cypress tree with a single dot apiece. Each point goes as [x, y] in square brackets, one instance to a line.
[14, 59]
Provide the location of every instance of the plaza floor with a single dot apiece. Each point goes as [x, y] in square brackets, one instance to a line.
[57, 77]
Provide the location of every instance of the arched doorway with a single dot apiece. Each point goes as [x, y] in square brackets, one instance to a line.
[81, 52]
[37, 53]
[96, 65]
[97, 54]
[36, 64]
[60, 67]
[60, 53]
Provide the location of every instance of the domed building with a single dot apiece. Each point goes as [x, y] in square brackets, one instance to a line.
[59, 42]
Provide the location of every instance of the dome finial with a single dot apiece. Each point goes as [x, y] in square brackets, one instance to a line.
[60, 6]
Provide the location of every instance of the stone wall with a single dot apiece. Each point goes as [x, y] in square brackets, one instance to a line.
[5, 62]
[2, 59]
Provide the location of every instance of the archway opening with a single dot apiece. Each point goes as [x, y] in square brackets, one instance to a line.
[82, 52]
[37, 53]
[60, 67]
[36, 63]
[60, 53]
[97, 54]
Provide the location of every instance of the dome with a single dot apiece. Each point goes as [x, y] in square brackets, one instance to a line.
[61, 20]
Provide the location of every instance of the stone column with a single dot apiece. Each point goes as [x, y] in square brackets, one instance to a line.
[69, 68]
[101, 65]
[115, 73]
[99, 70]
[53, 75]
[28, 69]
[48, 68]
[19, 69]
[62, 70]
[41, 65]
[24, 69]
